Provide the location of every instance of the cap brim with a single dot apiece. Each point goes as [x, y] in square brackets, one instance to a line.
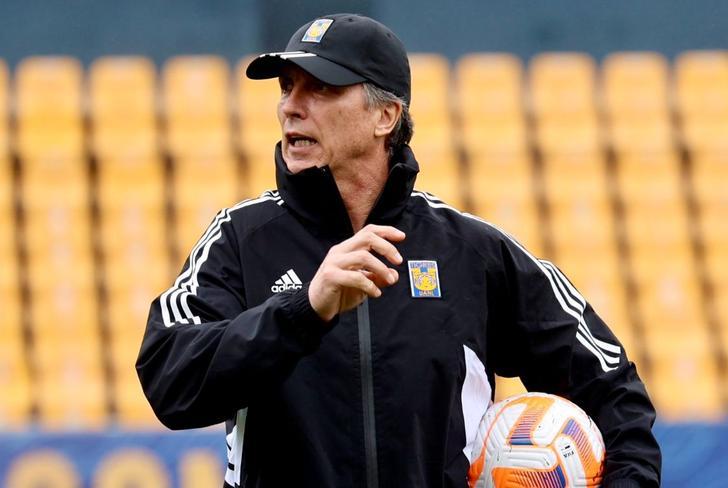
[268, 66]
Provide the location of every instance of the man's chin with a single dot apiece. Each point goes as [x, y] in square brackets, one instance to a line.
[297, 163]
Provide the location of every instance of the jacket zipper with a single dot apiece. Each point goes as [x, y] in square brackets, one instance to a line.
[367, 394]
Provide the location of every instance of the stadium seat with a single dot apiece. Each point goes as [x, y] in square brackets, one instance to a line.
[258, 129]
[15, 402]
[502, 192]
[71, 388]
[489, 95]
[636, 102]
[562, 84]
[579, 134]
[132, 212]
[5, 101]
[56, 216]
[48, 104]
[433, 141]
[196, 96]
[701, 93]
[15, 399]
[197, 205]
[683, 381]
[635, 84]
[601, 283]
[563, 103]
[123, 108]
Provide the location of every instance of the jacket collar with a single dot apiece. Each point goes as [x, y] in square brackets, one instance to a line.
[313, 194]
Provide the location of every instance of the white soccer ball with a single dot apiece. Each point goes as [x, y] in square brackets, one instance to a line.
[536, 440]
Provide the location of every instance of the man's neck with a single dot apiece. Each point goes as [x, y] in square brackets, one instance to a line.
[360, 185]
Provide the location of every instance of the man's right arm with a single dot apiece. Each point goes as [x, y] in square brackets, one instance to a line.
[205, 354]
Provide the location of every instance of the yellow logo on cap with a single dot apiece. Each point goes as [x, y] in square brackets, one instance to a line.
[317, 30]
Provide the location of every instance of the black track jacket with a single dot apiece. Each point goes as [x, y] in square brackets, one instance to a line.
[389, 394]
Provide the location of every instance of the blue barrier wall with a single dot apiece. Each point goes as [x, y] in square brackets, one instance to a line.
[693, 455]
[233, 28]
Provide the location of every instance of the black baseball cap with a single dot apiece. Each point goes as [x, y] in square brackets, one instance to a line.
[342, 49]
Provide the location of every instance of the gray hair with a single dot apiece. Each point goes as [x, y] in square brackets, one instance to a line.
[403, 130]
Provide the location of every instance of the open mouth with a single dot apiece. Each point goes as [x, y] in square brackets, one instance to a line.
[300, 141]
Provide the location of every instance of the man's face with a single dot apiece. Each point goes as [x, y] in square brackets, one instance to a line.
[323, 124]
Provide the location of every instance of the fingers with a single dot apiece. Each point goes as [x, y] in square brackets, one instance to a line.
[377, 238]
[364, 261]
[359, 281]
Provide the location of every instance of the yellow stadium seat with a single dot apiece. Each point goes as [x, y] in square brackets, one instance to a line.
[649, 177]
[64, 310]
[567, 176]
[53, 227]
[710, 179]
[132, 214]
[683, 381]
[634, 135]
[128, 305]
[122, 105]
[649, 232]
[430, 88]
[502, 192]
[15, 402]
[582, 225]
[258, 129]
[70, 386]
[490, 137]
[197, 106]
[440, 174]
[720, 305]
[433, 140]
[562, 85]
[197, 203]
[489, 86]
[701, 82]
[716, 263]
[669, 292]
[579, 134]
[490, 104]
[132, 408]
[701, 92]
[4, 112]
[48, 108]
[517, 217]
[636, 102]
[7, 210]
[635, 85]
[598, 278]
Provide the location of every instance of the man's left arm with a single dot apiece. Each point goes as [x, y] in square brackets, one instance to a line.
[557, 344]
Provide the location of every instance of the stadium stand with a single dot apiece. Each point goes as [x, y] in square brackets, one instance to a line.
[199, 139]
[626, 160]
[433, 139]
[257, 128]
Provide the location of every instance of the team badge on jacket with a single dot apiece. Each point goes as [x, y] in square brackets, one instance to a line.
[424, 279]
[317, 30]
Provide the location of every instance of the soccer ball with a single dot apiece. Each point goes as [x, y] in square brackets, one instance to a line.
[536, 440]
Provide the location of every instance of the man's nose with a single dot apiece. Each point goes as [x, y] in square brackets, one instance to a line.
[293, 104]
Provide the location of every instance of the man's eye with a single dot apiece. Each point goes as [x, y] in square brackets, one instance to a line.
[285, 86]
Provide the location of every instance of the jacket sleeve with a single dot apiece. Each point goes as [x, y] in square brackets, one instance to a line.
[205, 354]
[554, 341]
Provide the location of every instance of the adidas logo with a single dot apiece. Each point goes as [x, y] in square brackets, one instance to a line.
[289, 281]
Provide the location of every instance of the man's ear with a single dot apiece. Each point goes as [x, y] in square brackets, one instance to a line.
[389, 115]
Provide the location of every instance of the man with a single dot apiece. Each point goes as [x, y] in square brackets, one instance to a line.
[351, 326]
